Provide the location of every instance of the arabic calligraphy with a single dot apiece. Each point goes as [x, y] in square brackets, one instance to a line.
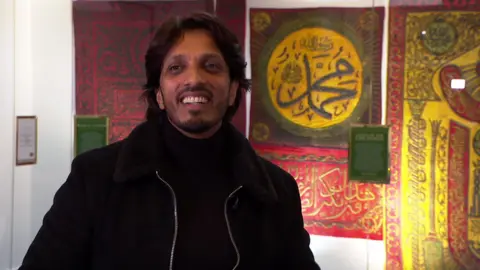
[328, 195]
[331, 204]
[435, 204]
[416, 162]
[329, 189]
[315, 78]
[458, 193]
[474, 217]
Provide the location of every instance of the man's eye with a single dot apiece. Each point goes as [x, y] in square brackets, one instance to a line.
[212, 66]
[174, 68]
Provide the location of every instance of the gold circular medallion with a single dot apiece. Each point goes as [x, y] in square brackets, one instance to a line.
[260, 132]
[440, 37]
[261, 21]
[315, 78]
[368, 21]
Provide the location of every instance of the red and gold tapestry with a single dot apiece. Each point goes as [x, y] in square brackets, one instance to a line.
[432, 215]
[111, 39]
[314, 72]
[332, 206]
[233, 14]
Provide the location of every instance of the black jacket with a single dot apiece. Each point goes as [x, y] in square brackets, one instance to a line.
[115, 213]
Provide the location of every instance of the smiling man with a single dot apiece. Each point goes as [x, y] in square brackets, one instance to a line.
[185, 190]
[195, 85]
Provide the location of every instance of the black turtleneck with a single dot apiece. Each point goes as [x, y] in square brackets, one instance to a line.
[200, 177]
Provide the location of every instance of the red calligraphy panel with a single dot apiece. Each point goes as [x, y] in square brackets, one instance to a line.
[111, 39]
[332, 205]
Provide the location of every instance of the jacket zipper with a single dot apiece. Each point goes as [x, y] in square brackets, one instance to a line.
[225, 210]
[175, 214]
[175, 233]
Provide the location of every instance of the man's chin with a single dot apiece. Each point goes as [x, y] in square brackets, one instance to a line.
[195, 123]
[196, 126]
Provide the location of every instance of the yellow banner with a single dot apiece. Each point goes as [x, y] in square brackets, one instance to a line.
[436, 177]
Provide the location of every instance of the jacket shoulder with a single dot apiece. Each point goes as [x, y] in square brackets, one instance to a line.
[284, 183]
[99, 162]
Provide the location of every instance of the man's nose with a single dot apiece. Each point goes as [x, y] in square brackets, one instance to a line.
[194, 76]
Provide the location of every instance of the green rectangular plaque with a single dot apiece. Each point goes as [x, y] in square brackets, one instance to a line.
[90, 132]
[369, 154]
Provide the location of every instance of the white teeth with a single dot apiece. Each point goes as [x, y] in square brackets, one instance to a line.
[191, 99]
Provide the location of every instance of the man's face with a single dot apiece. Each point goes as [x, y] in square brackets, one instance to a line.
[195, 86]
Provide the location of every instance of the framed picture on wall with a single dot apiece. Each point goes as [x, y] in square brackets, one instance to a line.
[369, 154]
[91, 131]
[26, 141]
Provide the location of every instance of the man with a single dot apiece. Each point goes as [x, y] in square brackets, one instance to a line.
[185, 190]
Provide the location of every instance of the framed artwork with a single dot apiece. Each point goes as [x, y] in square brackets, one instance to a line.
[26, 140]
[369, 154]
[91, 131]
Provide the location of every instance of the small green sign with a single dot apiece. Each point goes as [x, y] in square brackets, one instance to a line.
[90, 132]
[369, 154]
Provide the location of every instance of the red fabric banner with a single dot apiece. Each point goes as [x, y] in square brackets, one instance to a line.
[111, 39]
[233, 14]
[315, 72]
[332, 205]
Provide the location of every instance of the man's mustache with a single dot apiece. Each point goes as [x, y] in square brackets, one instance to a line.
[195, 89]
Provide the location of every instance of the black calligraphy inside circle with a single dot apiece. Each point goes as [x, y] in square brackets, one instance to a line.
[315, 77]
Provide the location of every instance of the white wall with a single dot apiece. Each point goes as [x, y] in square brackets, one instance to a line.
[39, 36]
[6, 130]
[43, 86]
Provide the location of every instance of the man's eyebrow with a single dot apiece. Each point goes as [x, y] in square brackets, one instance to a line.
[178, 57]
[211, 55]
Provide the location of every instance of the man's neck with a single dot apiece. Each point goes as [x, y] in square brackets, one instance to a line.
[196, 152]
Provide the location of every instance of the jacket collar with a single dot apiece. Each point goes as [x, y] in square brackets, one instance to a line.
[141, 153]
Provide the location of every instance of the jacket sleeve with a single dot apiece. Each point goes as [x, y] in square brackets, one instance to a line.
[63, 241]
[297, 253]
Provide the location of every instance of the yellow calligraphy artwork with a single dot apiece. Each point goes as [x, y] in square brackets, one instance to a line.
[428, 145]
[315, 78]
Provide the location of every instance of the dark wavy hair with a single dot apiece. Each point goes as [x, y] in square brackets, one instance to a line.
[166, 37]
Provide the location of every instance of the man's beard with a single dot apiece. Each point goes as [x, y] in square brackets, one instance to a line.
[194, 126]
[197, 125]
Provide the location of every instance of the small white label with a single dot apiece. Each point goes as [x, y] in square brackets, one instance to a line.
[457, 84]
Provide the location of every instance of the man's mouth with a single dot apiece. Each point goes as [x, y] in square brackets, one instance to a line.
[195, 100]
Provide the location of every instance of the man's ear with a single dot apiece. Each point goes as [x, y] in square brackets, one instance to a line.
[160, 102]
[233, 92]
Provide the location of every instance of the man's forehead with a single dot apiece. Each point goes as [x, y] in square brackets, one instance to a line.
[194, 55]
[194, 44]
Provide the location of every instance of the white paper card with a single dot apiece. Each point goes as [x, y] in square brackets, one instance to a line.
[26, 140]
